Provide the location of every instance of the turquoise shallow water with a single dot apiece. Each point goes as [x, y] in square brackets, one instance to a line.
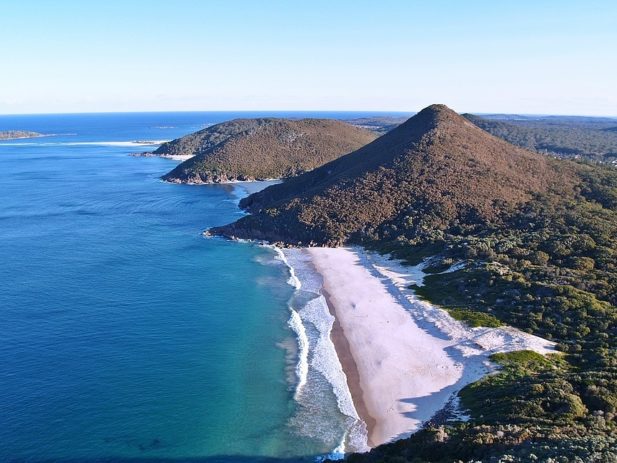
[125, 334]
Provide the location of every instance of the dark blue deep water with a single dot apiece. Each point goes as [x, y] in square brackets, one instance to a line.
[124, 334]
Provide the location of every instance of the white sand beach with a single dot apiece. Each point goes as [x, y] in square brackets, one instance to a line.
[404, 359]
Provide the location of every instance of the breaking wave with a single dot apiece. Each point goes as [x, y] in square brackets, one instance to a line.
[325, 406]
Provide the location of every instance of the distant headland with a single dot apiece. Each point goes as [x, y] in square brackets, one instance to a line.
[19, 134]
[251, 149]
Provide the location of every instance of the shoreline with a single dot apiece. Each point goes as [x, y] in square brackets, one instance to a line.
[398, 363]
[405, 361]
[343, 351]
[226, 182]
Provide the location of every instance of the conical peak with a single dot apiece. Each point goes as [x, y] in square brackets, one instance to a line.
[437, 109]
[429, 119]
[437, 113]
[436, 161]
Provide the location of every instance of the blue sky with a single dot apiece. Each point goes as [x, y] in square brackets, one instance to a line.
[542, 56]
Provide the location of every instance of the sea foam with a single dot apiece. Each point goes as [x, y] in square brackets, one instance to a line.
[318, 368]
[293, 279]
[295, 322]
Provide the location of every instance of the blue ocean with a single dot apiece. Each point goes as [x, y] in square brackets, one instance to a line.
[125, 334]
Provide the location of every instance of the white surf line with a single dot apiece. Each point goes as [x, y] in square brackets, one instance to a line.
[321, 355]
[302, 367]
[296, 325]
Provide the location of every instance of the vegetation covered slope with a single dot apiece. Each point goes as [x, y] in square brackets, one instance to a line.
[589, 138]
[249, 149]
[551, 270]
[543, 259]
[435, 172]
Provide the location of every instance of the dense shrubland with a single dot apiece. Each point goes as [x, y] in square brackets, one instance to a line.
[264, 148]
[589, 138]
[550, 270]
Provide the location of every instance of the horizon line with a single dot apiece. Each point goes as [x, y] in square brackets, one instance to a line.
[377, 111]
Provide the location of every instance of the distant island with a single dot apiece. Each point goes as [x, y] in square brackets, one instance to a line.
[496, 234]
[17, 134]
[251, 149]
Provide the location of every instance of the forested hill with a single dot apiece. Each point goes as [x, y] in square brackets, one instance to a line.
[537, 240]
[436, 171]
[249, 149]
[588, 138]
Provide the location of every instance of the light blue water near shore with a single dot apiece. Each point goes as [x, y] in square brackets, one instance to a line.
[124, 333]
